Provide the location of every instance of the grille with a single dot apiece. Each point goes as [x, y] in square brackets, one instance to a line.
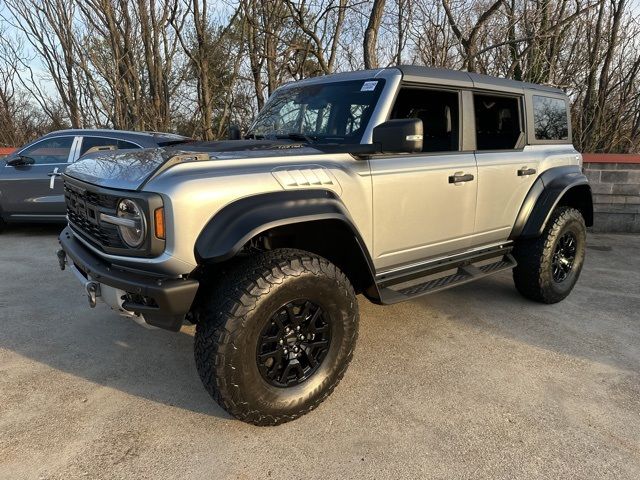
[83, 211]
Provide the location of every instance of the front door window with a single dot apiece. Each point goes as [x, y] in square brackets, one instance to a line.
[50, 151]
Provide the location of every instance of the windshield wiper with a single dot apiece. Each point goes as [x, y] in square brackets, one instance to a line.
[253, 136]
[299, 136]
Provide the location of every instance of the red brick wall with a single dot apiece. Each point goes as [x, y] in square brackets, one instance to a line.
[610, 158]
[4, 151]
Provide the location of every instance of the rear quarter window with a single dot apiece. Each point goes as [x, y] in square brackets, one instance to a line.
[124, 145]
[550, 119]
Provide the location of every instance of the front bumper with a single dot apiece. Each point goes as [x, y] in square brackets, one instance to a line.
[162, 302]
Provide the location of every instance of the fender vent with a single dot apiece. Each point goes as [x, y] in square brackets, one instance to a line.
[308, 176]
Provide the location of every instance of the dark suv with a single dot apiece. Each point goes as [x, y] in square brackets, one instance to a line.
[28, 188]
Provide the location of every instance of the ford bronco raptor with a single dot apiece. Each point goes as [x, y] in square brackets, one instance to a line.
[389, 183]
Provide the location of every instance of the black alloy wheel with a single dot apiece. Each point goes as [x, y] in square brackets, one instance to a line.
[564, 257]
[549, 265]
[293, 344]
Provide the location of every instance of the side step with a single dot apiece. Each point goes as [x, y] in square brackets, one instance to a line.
[436, 281]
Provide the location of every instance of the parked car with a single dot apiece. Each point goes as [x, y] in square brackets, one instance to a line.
[29, 190]
[392, 183]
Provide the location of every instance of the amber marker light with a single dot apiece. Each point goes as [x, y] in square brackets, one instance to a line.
[159, 222]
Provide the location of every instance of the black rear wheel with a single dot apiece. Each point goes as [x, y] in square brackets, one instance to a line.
[275, 335]
[564, 257]
[549, 266]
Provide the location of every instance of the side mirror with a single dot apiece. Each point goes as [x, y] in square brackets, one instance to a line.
[403, 135]
[20, 161]
[234, 132]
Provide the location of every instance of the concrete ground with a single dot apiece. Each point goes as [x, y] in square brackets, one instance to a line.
[475, 382]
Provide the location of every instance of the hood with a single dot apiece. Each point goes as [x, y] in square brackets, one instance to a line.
[130, 169]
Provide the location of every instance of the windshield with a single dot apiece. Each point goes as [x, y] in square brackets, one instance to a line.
[335, 112]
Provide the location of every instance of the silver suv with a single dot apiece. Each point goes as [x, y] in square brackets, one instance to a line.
[389, 183]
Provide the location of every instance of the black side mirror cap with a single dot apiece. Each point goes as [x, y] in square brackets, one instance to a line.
[402, 135]
[20, 161]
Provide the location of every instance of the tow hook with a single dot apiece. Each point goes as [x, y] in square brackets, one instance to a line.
[93, 291]
[62, 258]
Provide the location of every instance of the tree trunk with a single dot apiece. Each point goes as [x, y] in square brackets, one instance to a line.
[370, 45]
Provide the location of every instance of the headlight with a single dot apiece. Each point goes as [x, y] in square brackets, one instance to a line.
[133, 230]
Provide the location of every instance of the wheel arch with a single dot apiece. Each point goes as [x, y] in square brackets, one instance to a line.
[314, 220]
[566, 186]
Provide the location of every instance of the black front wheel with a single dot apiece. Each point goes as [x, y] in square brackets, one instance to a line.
[275, 335]
[549, 266]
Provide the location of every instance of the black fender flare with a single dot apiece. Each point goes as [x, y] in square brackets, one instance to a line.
[238, 222]
[543, 197]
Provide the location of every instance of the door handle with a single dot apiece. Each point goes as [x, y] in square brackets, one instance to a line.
[459, 178]
[523, 172]
[53, 176]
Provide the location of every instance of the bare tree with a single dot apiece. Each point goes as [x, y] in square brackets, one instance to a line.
[192, 67]
[37, 19]
[321, 28]
[370, 45]
[198, 53]
[469, 41]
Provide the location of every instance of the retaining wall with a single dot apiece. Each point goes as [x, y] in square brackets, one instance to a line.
[615, 182]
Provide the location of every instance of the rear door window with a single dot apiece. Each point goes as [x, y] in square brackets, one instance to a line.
[498, 124]
[550, 118]
[123, 145]
[96, 144]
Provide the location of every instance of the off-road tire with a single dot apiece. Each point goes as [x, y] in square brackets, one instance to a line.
[232, 313]
[533, 276]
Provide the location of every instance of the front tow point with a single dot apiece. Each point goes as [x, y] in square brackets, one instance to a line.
[93, 292]
[62, 258]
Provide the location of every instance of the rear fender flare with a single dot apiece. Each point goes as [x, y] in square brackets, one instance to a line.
[545, 194]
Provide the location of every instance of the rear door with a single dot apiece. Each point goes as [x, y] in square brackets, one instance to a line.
[506, 169]
[33, 191]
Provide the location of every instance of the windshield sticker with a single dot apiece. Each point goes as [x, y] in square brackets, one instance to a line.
[369, 86]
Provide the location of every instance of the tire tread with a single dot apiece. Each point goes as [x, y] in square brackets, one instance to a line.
[230, 303]
[534, 257]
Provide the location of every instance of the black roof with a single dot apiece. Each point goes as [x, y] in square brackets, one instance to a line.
[469, 79]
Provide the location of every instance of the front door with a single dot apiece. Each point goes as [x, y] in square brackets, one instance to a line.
[32, 189]
[424, 204]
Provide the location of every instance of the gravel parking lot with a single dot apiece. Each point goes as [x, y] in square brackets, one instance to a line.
[474, 382]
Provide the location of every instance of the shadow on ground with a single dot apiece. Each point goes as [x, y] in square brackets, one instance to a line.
[45, 317]
[599, 321]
